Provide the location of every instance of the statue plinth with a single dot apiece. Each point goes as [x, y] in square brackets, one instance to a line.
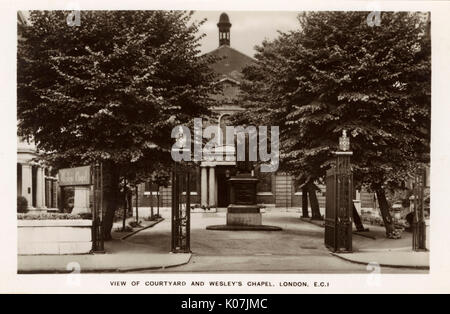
[243, 214]
[243, 210]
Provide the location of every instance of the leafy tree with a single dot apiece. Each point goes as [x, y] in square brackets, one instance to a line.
[111, 89]
[334, 73]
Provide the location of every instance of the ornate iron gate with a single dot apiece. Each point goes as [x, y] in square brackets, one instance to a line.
[181, 210]
[330, 210]
[97, 213]
[419, 226]
[338, 207]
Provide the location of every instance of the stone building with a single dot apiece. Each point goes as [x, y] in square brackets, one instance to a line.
[209, 187]
[35, 183]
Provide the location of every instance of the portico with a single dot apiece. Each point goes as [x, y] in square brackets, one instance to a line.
[33, 183]
[211, 173]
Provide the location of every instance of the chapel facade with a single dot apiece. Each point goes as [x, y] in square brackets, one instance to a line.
[209, 188]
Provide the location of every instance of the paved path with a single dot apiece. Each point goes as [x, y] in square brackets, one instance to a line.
[373, 247]
[297, 248]
[120, 256]
[398, 259]
[125, 261]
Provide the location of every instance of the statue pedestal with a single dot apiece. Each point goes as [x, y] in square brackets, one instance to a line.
[243, 209]
[243, 213]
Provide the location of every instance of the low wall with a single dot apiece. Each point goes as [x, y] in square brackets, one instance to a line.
[54, 237]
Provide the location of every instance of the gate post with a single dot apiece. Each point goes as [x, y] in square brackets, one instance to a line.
[419, 226]
[97, 213]
[181, 213]
[339, 196]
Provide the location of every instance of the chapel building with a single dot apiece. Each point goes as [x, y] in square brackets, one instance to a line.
[209, 188]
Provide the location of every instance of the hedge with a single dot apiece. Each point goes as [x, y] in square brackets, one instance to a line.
[52, 216]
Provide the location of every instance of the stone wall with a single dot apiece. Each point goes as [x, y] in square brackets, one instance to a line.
[54, 237]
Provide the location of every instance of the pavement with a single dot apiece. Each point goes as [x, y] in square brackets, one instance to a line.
[393, 259]
[298, 248]
[120, 256]
[373, 247]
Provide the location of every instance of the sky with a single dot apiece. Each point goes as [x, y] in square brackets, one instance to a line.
[249, 28]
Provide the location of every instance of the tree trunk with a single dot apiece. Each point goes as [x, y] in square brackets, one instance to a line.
[151, 200]
[315, 209]
[124, 220]
[125, 209]
[110, 197]
[357, 220]
[137, 204]
[385, 214]
[157, 200]
[130, 201]
[305, 213]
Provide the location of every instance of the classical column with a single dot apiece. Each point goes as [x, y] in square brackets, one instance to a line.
[204, 187]
[40, 188]
[27, 186]
[212, 187]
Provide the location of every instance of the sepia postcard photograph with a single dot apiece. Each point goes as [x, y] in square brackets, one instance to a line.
[225, 148]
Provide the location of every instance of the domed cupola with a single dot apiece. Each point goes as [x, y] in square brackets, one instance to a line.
[224, 26]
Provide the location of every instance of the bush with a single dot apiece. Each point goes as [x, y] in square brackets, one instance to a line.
[153, 218]
[22, 204]
[127, 229]
[378, 221]
[49, 216]
[118, 214]
[85, 215]
[134, 224]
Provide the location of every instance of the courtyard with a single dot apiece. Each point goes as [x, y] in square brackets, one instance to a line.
[110, 151]
[297, 248]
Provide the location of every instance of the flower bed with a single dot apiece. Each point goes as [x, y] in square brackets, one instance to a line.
[52, 216]
[53, 234]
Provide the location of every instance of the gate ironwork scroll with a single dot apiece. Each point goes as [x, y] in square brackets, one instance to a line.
[330, 210]
[97, 213]
[339, 204]
[181, 209]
